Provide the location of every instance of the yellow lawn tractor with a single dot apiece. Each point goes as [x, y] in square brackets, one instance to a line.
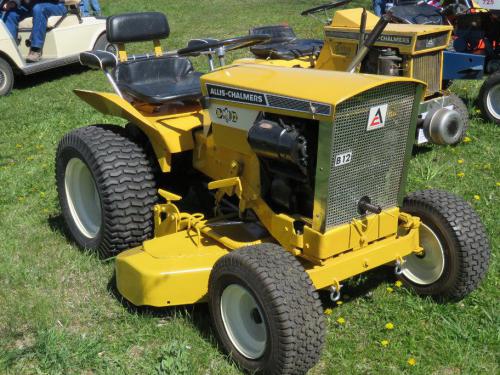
[300, 177]
[401, 50]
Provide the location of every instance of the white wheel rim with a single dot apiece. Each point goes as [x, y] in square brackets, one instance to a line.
[3, 79]
[493, 101]
[243, 321]
[427, 268]
[83, 198]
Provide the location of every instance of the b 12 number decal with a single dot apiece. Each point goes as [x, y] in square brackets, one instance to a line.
[342, 159]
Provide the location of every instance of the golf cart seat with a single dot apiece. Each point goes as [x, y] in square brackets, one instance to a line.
[283, 44]
[156, 78]
[71, 18]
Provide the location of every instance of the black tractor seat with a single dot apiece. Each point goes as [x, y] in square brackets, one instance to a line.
[159, 80]
[423, 14]
[283, 44]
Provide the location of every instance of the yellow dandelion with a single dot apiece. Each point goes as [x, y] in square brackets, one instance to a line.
[20, 199]
[498, 184]
[39, 147]
[412, 361]
[487, 166]
[477, 197]
[19, 145]
[328, 312]
[384, 343]
[398, 283]
[467, 140]
[389, 326]
[460, 161]
[389, 289]
[460, 174]
[341, 320]
[42, 194]
[339, 303]
[30, 158]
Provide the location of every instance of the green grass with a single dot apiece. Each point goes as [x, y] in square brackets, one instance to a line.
[58, 313]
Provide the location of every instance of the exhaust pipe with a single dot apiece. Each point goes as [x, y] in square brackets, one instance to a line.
[369, 42]
[444, 126]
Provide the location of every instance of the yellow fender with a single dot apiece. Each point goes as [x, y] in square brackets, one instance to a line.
[168, 133]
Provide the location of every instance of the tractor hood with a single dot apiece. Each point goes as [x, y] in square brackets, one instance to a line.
[308, 93]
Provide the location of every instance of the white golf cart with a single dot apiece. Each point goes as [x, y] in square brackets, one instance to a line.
[67, 36]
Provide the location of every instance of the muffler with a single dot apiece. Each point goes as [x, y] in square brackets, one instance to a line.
[444, 126]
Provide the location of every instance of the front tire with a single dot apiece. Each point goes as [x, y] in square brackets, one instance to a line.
[106, 189]
[6, 77]
[265, 310]
[489, 98]
[456, 248]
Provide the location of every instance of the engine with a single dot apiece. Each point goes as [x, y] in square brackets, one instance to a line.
[287, 149]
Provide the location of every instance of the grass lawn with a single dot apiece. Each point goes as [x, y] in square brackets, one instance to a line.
[58, 313]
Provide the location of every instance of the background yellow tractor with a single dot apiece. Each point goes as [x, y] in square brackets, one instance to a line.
[307, 169]
[401, 50]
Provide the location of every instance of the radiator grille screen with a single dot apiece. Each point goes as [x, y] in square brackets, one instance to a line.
[378, 156]
[426, 68]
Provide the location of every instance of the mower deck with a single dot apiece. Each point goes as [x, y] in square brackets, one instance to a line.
[174, 269]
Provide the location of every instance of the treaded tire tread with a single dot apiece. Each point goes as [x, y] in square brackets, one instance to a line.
[492, 80]
[278, 278]
[463, 111]
[124, 177]
[469, 243]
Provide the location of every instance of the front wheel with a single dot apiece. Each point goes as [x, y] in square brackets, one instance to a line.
[107, 189]
[456, 249]
[265, 310]
[6, 77]
[489, 98]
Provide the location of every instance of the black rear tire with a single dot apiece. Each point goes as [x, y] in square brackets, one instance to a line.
[463, 111]
[6, 77]
[489, 106]
[106, 188]
[462, 246]
[102, 44]
[286, 304]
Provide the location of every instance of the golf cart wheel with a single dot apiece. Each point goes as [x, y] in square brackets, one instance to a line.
[456, 249]
[6, 77]
[266, 311]
[459, 106]
[489, 98]
[106, 189]
[102, 44]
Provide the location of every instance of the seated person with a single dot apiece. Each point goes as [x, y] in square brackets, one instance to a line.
[40, 10]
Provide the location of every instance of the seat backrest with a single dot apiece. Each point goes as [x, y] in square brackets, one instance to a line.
[137, 27]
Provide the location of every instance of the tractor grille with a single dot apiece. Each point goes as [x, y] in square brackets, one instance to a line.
[427, 68]
[378, 156]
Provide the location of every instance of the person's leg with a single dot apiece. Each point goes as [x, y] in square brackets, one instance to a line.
[379, 7]
[85, 8]
[96, 7]
[41, 14]
[12, 19]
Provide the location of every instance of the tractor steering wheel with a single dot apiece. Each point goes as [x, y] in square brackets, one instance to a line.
[229, 44]
[324, 7]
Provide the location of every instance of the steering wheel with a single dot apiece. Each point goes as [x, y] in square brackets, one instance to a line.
[323, 7]
[230, 44]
